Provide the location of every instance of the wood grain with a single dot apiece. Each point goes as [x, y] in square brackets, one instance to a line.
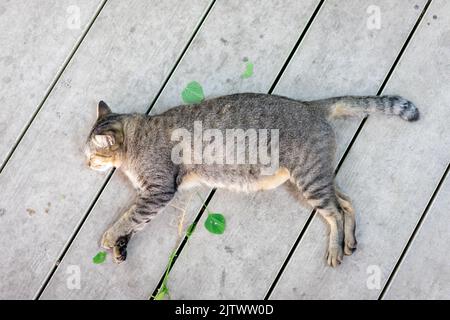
[337, 56]
[37, 38]
[390, 173]
[263, 33]
[424, 273]
[46, 186]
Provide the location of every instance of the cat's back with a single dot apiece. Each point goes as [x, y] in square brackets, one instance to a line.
[245, 110]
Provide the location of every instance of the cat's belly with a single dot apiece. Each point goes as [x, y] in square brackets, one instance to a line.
[240, 184]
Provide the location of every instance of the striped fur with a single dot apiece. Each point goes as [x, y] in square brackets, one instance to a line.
[388, 105]
[141, 146]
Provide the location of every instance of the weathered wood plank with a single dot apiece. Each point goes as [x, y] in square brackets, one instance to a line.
[46, 187]
[33, 32]
[263, 32]
[339, 55]
[390, 173]
[424, 273]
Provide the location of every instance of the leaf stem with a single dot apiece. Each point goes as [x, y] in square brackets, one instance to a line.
[203, 203]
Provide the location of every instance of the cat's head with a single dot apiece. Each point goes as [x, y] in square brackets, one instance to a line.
[104, 146]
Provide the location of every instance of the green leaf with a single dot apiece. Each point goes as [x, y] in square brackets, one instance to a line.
[162, 293]
[99, 257]
[215, 223]
[248, 71]
[193, 93]
[190, 229]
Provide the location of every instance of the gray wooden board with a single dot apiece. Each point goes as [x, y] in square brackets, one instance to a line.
[390, 173]
[36, 39]
[425, 271]
[263, 33]
[338, 56]
[46, 186]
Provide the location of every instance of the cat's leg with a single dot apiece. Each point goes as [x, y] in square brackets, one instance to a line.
[332, 213]
[349, 223]
[147, 206]
[118, 236]
[318, 190]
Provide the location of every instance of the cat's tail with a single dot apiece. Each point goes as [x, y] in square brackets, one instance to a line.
[355, 106]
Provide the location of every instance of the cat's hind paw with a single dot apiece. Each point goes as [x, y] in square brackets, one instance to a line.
[334, 256]
[108, 239]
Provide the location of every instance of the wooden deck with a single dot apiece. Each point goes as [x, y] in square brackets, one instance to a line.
[59, 58]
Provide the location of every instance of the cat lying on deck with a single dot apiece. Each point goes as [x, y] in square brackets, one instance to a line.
[161, 154]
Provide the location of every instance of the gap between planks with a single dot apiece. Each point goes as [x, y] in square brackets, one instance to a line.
[183, 243]
[272, 88]
[414, 233]
[111, 173]
[52, 85]
[347, 150]
[181, 246]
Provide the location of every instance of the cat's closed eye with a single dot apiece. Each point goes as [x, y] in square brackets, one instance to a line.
[103, 147]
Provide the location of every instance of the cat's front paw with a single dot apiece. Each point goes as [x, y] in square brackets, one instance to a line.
[334, 256]
[118, 243]
[120, 249]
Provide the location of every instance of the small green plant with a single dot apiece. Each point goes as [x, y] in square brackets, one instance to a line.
[248, 70]
[164, 290]
[193, 93]
[215, 223]
[190, 230]
[99, 257]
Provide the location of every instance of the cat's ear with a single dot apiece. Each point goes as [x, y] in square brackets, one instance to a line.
[102, 109]
[104, 140]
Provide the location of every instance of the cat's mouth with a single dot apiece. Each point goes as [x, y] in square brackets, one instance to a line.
[99, 167]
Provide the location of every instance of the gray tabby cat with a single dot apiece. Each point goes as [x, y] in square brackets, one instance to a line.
[142, 147]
